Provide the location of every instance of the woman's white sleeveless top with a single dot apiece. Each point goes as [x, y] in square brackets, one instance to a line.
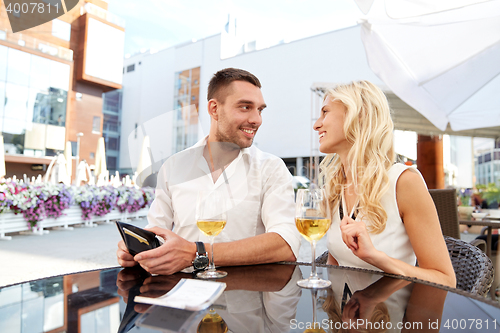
[393, 240]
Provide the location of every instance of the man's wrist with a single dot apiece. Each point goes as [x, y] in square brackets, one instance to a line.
[201, 258]
[193, 251]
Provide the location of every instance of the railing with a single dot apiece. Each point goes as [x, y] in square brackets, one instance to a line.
[36, 44]
[12, 223]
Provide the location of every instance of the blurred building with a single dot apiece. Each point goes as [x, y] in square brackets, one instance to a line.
[164, 97]
[52, 78]
[488, 166]
[111, 110]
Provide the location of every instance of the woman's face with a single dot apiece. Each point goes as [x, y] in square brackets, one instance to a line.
[330, 127]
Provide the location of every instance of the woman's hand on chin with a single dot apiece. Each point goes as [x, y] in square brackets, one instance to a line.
[356, 237]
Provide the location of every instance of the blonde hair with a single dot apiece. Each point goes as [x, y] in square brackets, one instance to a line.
[368, 127]
[380, 314]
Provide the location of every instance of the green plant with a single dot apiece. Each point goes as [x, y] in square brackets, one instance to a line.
[491, 193]
[465, 200]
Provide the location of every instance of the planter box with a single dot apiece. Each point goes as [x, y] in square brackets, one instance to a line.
[71, 216]
[141, 213]
[114, 215]
[10, 222]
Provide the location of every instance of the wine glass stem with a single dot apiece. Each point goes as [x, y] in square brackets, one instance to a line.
[211, 266]
[313, 294]
[313, 270]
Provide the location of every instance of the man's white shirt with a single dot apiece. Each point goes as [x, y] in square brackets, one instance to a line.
[257, 185]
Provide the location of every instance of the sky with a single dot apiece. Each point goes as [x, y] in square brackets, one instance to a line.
[159, 24]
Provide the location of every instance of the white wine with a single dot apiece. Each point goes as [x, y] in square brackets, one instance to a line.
[313, 228]
[211, 227]
[212, 323]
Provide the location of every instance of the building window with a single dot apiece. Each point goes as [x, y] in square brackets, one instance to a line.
[73, 148]
[130, 68]
[96, 125]
[111, 163]
[33, 94]
[92, 155]
[49, 106]
[110, 123]
[113, 144]
[186, 98]
[112, 101]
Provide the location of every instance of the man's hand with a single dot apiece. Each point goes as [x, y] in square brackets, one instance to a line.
[125, 259]
[128, 281]
[174, 255]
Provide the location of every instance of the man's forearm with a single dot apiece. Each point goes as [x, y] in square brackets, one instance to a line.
[266, 248]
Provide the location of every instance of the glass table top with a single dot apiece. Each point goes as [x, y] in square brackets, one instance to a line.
[261, 298]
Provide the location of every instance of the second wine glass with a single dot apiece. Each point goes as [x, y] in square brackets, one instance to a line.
[211, 219]
[313, 219]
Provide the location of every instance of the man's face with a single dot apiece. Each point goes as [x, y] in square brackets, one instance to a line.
[239, 116]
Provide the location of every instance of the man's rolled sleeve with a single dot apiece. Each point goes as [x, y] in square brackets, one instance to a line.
[161, 213]
[278, 206]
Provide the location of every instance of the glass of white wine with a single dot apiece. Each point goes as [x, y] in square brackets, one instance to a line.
[211, 219]
[212, 323]
[313, 219]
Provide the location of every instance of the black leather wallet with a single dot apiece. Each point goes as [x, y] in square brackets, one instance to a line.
[137, 239]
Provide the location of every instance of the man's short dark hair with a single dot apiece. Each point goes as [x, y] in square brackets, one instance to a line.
[223, 78]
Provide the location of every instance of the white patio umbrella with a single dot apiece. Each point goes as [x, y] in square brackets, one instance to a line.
[101, 172]
[56, 172]
[440, 57]
[82, 171]
[2, 158]
[69, 159]
[144, 168]
[60, 172]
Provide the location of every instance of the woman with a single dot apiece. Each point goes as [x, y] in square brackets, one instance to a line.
[384, 217]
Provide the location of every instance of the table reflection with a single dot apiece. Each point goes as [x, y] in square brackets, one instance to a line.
[261, 298]
[36, 306]
[257, 298]
[212, 323]
[359, 302]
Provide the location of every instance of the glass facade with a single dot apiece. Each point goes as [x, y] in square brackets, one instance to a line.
[186, 103]
[111, 109]
[33, 102]
[488, 167]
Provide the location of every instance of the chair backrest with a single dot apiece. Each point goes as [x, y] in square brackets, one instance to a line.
[473, 269]
[322, 258]
[446, 206]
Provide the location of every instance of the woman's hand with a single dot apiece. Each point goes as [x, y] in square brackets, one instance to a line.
[356, 237]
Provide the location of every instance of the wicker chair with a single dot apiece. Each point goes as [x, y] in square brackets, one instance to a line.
[473, 268]
[323, 258]
[446, 206]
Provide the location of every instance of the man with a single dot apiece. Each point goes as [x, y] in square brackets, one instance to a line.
[260, 226]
